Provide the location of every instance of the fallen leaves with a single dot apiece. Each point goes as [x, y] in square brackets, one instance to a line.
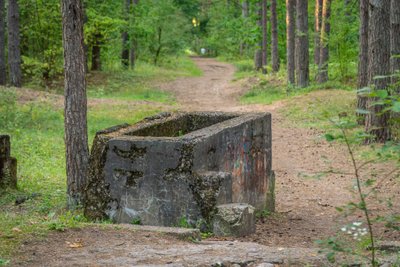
[77, 244]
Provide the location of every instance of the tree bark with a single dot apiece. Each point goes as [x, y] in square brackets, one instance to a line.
[290, 41]
[133, 53]
[85, 46]
[258, 55]
[76, 139]
[395, 42]
[3, 71]
[125, 38]
[245, 14]
[14, 53]
[317, 27]
[377, 122]
[264, 33]
[302, 44]
[96, 52]
[324, 42]
[363, 59]
[274, 38]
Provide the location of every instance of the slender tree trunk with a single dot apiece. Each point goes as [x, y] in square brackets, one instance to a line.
[133, 53]
[324, 49]
[245, 14]
[274, 38]
[3, 72]
[258, 55]
[264, 33]
[363, 60]
[125, 38]
[377, 122]
[76, 139]
[159, 47]
[302, 44]
[395, 41]
[96, 52]
[14, 53]
[290, 40]
[318, 24]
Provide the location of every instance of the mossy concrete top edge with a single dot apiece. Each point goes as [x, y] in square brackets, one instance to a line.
[216, 122]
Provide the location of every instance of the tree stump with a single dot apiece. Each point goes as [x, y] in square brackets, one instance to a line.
[8, 165]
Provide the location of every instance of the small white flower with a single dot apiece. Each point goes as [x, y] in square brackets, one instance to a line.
[357, 223]
[344, 229]
[349, 232]
[353, 228]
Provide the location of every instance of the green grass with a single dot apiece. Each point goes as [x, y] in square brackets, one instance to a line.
[133, 85]
[317, 109]
[38, 143]
[139, 84]
[273, 87]
[37, 133]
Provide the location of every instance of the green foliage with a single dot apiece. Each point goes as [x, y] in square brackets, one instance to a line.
[136, 221]
[4, 262]
[263, 214]
[41, 39]
[343, 41]
[184, 223]
[159, 28]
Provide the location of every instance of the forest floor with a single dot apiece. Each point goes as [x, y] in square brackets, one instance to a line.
[305, 207]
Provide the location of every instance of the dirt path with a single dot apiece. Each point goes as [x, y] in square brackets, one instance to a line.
[305, 207]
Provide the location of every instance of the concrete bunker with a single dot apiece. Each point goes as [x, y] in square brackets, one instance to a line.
[176, 167]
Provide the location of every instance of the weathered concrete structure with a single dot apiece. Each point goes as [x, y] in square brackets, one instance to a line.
[236, 219]
[8, 165]
[178, 167]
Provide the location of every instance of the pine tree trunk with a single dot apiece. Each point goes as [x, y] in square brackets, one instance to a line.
[96, 52]
[85, 46]
[3, 72]
[363, 60]
[324, 42]
[264, 34]
[14, 53]
[125, 38]
[302, 44]
[245, 14]
[290, 40]
[318, 24]
[274, 37]
[132, 53]
[377, 124]
[258, 55]
[395, 41]
[76, 139]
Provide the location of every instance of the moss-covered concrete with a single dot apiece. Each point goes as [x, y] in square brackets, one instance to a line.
[175, 168]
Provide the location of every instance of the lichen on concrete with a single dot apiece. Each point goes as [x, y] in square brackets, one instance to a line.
[180, 166]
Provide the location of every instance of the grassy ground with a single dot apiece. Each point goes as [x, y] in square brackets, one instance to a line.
[38, 144]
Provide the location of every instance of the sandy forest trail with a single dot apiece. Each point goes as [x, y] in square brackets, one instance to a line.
[305, 208]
